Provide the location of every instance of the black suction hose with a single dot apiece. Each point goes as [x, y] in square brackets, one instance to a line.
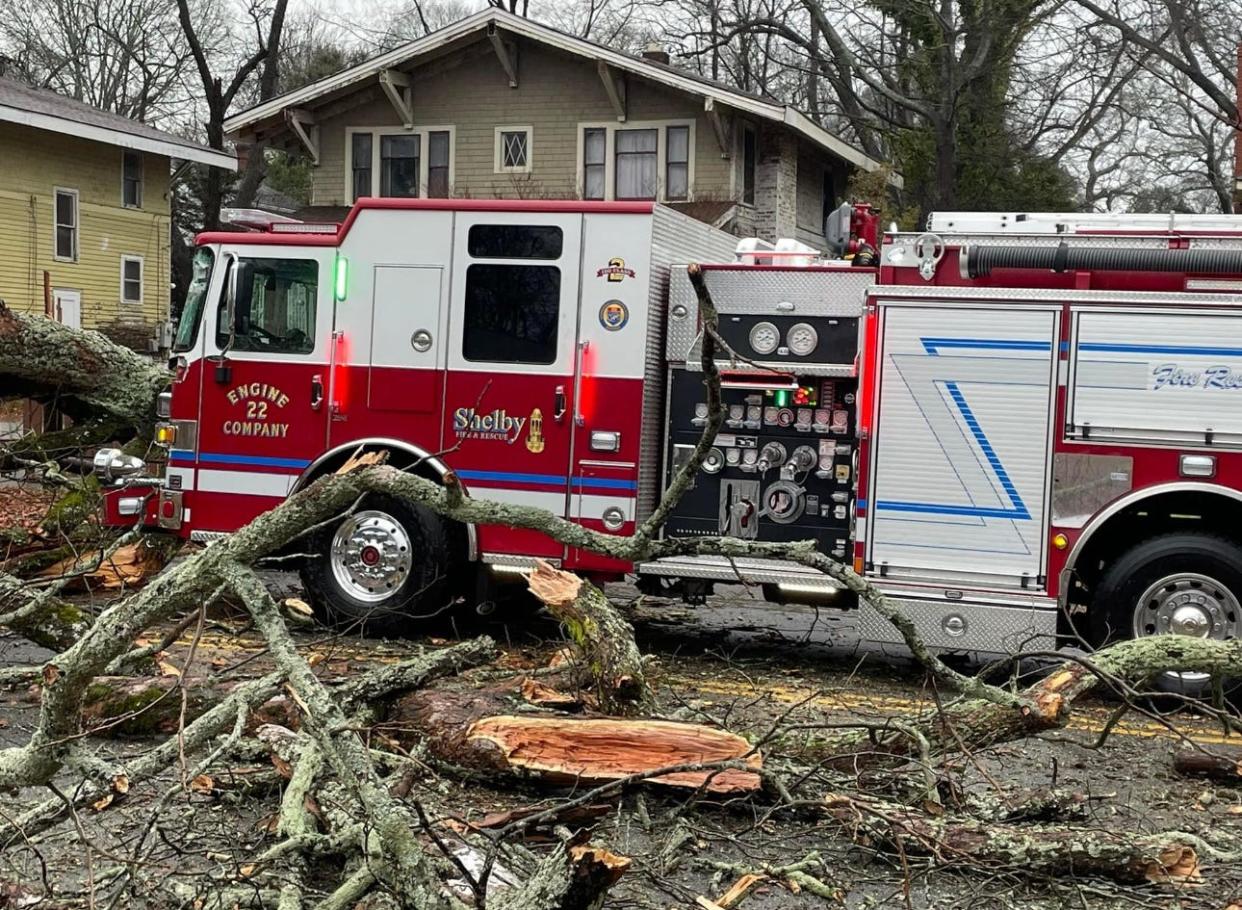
[979, 261]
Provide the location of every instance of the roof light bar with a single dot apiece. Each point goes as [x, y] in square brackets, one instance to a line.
[305, 227]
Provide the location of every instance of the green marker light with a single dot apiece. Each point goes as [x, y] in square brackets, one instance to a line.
[782, 398]
[341, 283]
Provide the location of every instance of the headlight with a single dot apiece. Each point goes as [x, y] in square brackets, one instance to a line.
[163, 405]
[111, 464]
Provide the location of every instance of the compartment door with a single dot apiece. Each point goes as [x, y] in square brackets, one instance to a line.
[962, 446]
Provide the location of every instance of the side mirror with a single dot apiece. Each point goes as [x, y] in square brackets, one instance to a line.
[239, 296]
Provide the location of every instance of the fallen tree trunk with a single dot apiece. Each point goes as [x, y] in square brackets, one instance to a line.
[1059, 850]
[1225, 768]
[473, 730]
[86, 375]
[604, 639]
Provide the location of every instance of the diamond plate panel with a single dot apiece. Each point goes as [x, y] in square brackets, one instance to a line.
[985, 628]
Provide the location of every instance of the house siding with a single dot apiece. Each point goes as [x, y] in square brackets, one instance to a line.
[555, 93]
[37, 162]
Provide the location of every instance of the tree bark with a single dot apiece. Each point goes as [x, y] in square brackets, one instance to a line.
[85, 373]
[1224, 767]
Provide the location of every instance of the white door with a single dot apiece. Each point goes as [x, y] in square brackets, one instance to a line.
[962, 443]
[68, 307]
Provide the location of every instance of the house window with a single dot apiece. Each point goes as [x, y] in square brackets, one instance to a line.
[594, 163]
[677, 167]
[66, 206]
[399, 165]
[750, 163]
[360, 159]
[513, 148]
[438, 164]
[131, 279]
[637, 164]
[645, 160]
[131, 180]
[397, 162]
[512, 313]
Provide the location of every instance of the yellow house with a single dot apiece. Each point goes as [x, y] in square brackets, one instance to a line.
[84, 209]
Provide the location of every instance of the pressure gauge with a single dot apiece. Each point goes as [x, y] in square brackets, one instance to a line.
[764, 338]
[802, 339]
[714, 461]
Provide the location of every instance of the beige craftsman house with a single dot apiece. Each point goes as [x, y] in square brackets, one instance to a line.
[496, 105]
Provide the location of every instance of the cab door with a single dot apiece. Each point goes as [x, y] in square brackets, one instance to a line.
[513, 326]
[263, 413]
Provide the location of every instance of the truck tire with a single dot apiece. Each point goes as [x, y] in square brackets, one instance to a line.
[381, 568]
[1183, 584]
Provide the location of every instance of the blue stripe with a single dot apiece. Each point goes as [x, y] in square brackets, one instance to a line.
[185, 454]
[933, 345]
[886, 505]
[604, 483]
[1160, 349]
[554, 480]
[263, 461]
[549, 479]
[1019, 507]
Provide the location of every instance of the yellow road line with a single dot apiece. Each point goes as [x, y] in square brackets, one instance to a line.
[1090, 719]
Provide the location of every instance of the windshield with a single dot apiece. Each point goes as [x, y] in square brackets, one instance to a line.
[195, 297]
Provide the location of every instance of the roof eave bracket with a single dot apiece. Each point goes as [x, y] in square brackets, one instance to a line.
[614, 86]
[302, 123]
[714, 117]
[400, 91]
[506, 53]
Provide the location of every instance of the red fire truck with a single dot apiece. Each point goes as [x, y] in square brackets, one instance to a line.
[1018, 426]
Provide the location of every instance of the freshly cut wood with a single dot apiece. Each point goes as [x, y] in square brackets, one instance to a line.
[602, 637]
[1224, 765]
[128, 567]
[593, 751]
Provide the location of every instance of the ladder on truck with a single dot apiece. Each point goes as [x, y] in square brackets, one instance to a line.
[1079, 223]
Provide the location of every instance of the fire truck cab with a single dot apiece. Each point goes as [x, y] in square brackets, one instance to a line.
[1019, 426]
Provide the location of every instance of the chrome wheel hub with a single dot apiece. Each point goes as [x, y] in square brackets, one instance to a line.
[371, 556]
[1188, 604]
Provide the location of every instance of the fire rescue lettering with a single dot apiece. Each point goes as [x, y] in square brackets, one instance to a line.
[469, 424]
[257, 397]
[1172, 376]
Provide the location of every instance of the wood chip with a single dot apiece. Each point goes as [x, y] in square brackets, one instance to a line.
[202, 784]
[742, 887]
[538, 693]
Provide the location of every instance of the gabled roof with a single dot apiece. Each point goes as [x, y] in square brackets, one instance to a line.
[691, 83]
[44, 109]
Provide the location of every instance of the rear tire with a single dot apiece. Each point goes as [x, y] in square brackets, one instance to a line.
[383, 567]
[1180, 584]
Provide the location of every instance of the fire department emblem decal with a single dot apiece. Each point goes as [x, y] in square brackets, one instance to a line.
[534, 436]
[613, 315]
[615, 270]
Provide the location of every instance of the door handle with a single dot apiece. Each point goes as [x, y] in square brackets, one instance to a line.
[579, 419]
[559, 407]
[316, 399]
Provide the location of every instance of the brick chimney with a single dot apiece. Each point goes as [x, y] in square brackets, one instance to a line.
[657, 54]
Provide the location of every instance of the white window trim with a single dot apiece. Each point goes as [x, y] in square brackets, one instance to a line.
[142, 178]
[610, 154]
[142, 279]
[499, 152]
[424, 159]
[77, 223]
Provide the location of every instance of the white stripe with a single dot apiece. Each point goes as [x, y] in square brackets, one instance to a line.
[594, 506]
[553, 502]
[249, 483]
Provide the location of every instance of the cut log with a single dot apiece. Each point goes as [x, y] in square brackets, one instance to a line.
[602, 636]
[467, 730]
[1224, 766]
